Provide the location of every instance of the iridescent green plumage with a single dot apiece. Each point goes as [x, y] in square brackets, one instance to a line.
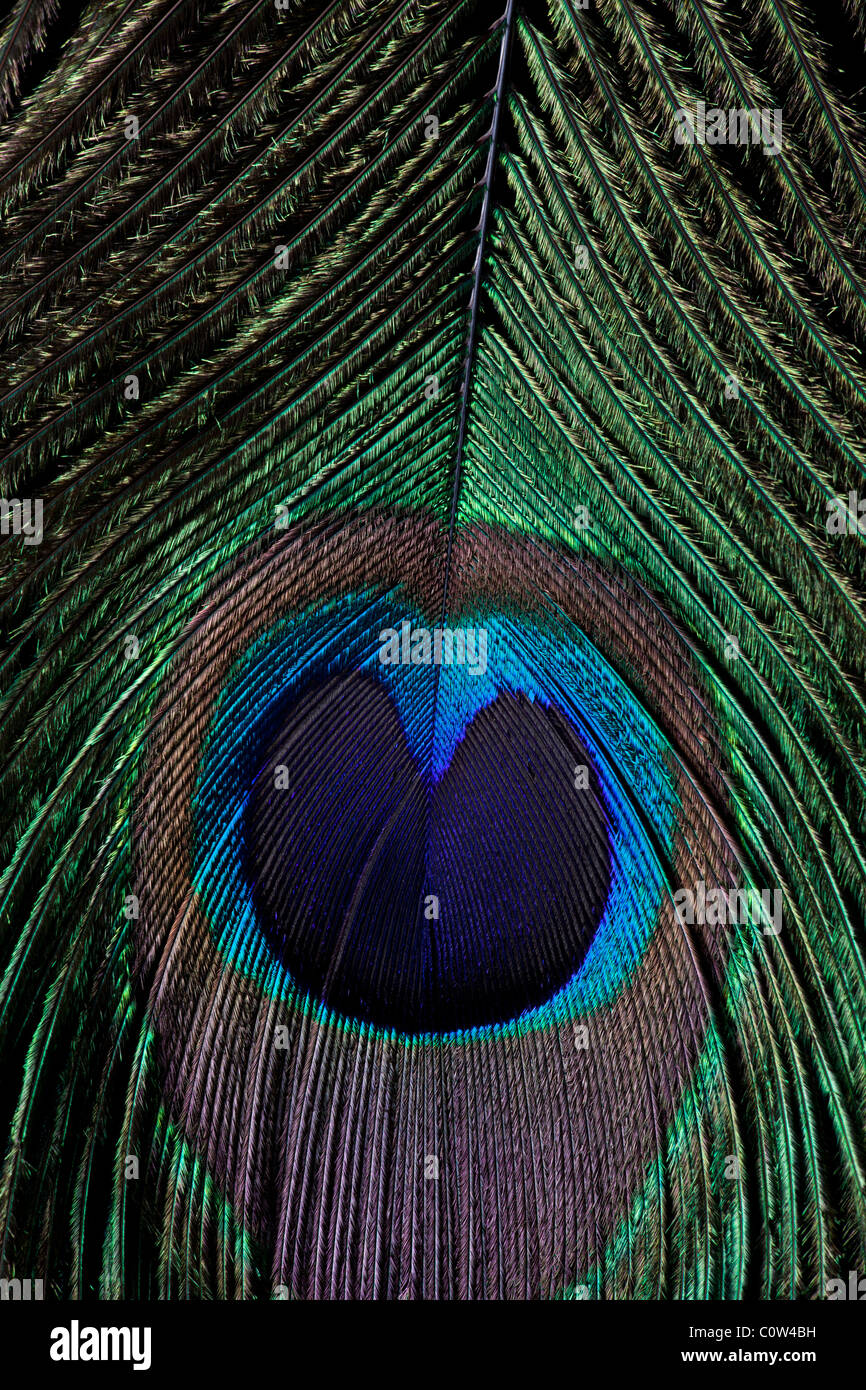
[268, 329]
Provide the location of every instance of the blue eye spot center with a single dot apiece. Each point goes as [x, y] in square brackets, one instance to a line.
[418, 906]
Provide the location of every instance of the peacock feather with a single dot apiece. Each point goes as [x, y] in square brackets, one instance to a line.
[433, 641]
